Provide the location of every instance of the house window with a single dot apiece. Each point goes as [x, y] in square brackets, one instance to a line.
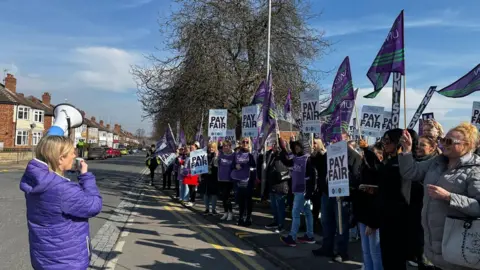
[23, 113]
[38, 116]
[36, 136]
[22, 137]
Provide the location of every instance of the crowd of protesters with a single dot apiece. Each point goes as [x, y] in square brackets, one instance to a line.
[402, 188]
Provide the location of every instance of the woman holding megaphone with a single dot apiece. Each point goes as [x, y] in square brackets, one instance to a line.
[58, 209]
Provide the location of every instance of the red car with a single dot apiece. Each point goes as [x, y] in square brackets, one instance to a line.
[112, 152]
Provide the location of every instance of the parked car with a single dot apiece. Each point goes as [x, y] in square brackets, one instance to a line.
[110, 152]
[117, 153]
[97, 153]
[124, 151]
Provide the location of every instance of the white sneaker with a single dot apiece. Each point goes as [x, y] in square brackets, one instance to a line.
[224, 216]
[189, 204]
[230, 216]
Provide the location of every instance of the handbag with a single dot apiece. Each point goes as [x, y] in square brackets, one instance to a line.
[461, 241]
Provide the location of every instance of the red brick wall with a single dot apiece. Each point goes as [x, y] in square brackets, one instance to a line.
[7, 126]
[47, 123]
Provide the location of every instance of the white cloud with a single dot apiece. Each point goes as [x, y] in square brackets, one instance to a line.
[134, 3]
[446, 18]
[105, 68]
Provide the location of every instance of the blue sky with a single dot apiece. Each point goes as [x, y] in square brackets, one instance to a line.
[82, 50]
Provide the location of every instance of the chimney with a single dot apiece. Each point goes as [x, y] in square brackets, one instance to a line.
[101, 123]
[117, 128]
[93, 119]
[108, 127]
[46, 97]
[11, 83]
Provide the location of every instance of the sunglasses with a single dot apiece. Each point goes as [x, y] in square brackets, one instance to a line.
[245, 142]
[449, 141]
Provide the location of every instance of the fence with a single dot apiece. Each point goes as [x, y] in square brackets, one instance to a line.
[16, 155]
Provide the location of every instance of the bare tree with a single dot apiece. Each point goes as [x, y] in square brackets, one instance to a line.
[219, 59]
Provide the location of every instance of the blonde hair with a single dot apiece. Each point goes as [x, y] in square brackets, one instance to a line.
[320, 146]
[470, 132]
[436, 125]
[213, 145]
[51, 148]
[249, 143]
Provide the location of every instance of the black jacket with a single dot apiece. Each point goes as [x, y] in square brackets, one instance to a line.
[278, 175]
[319, 162]
[209, 181]
[354, 165]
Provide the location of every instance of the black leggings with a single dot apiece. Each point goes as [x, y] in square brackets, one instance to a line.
[152, 172]
[226, 189]
[245, 202]
[167, 179]
[193, 192]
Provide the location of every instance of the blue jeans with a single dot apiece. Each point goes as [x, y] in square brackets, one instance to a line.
[210, 198]
[277, 204]
[329, 225]
[372, 255]
[183, 191]
[301, 205]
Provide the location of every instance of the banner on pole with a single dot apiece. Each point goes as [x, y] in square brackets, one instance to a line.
[198, 162]
[250, 123]
[396, 95]
[422, 106]
[310, 112]
[217, 123]
[371, 121]
[338, 185]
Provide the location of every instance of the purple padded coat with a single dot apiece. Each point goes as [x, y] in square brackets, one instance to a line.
[57, 215]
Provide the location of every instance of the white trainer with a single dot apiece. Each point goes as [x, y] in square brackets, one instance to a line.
[230, 216]
[225, 216]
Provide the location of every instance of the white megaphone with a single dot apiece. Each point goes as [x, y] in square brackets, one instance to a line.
[66, 117]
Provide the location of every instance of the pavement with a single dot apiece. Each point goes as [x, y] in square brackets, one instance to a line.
[141, 227]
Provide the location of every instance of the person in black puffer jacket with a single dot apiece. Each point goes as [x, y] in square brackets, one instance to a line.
[364, 198]
[278, 177]
[209, 184]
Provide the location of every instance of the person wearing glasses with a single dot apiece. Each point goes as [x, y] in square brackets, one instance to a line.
[243, 173]
[452, 185]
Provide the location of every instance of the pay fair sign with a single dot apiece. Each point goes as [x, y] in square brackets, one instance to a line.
[217, 123]
[198, 162]
[250, 115]
[476, 114]
[337, 173]
[371, 121]
[310, 112]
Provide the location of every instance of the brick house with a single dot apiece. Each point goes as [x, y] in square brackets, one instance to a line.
[21, 119]
[48, 108]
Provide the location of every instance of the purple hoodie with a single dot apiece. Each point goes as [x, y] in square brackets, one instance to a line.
[57, 214]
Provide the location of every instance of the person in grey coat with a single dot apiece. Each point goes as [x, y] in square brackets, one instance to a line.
[452, 186]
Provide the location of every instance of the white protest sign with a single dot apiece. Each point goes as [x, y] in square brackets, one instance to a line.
[217, 123]
[250, 115]
[337, 172]
[476, 114]
[310, 112]
[371, 121]
[167, 158]
[198, 162]
[387, 121]
[231, 136]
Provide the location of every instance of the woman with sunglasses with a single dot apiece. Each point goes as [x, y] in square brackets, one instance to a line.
[243, 173]
[452, 185]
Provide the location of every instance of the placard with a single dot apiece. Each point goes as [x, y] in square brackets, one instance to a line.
[476, 114]
[387, 122]
[167, 158]
[337, 170]
[217, 123]
[231, 136]
[310, 112]
[371, 121]
[198, 162]
[250, 117]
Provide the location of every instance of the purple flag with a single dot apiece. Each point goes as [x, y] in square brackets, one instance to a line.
[181, 138]
[259, 96]
[166, 145]
[287, 109]
[390, 58]
[339, 121]
[342, 88]
[463, 86]
[268, 114]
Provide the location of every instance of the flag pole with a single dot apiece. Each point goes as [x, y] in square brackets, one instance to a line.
[404, 78]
